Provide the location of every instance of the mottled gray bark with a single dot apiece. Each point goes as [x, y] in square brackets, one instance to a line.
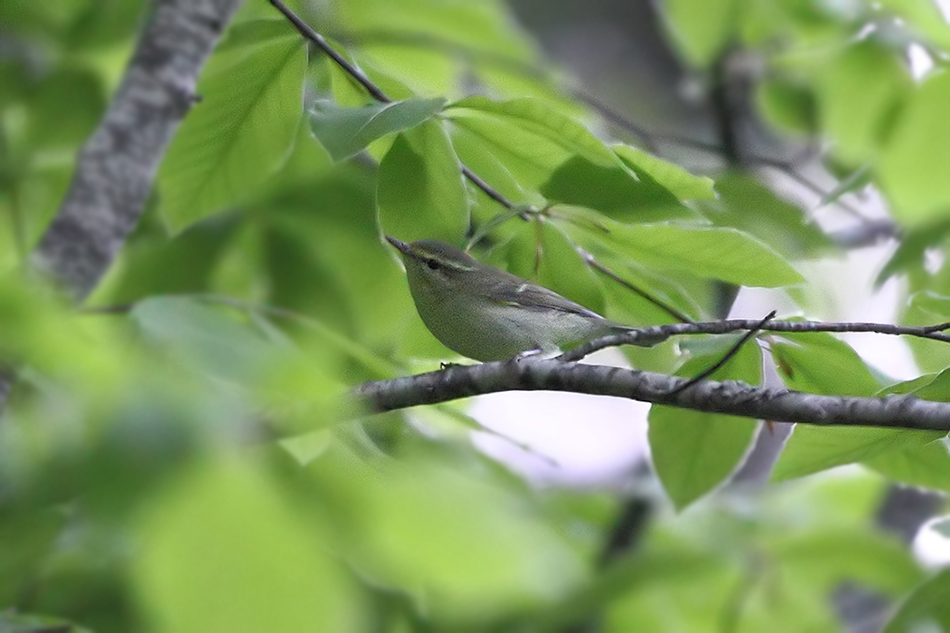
[117, 165]
[731, 397]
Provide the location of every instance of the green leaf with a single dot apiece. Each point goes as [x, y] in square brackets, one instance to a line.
[640, 599]
[826, 555]
[105, 24]
[478, 157]
[786, 105]
[64, 109]
[926, 466]
[420, 191]
[35, 532]
[204, 333]
[910, 252]
[702, 29]
[720, 253]
[223, 550]
[14, 82]
[693, 452]
[152, 265]
[926, 609]
[916, 158]
[530, 139]
[748, 205]
[418, 70]
[11, 622]
[471, 547]
[820, 363]
[543, 254]
[535, 116]
[817, 362]
[476, 26]
[243, 128]
[630, 307]
[673, 178]
[615, 190]
[344, 132]
[924, 17]
[858, 94]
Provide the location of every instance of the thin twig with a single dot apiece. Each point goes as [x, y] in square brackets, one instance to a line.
[593, 263]
[709, 371]
[490, 191]
[374, 90]
[649, 336]
[352, 70]
[649, 139]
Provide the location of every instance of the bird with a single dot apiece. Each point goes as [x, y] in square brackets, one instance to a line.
[488, 314]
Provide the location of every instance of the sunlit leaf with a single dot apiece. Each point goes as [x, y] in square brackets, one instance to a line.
[244, 126]
[420, 192]
[859, 93]
[720, 253]
[916, 156]
[528, 137]
[670, 176]
[702, 29]
[484, 25]
[615, 190]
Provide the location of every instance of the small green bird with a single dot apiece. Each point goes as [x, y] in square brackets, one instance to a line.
[489, 314]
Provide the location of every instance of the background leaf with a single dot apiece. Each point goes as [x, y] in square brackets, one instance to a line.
[915, 185]
[203, 564]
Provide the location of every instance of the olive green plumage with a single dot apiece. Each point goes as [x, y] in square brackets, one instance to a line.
[489, 314]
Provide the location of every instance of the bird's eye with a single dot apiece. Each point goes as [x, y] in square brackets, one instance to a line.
[434, 265]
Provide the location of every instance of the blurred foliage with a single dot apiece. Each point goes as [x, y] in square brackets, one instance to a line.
[180, 454]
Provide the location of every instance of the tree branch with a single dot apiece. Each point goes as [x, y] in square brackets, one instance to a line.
[650, 336]
[729, 397]
[117, 165]
[375, 91]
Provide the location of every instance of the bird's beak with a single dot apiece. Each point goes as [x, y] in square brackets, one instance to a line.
[402, 246]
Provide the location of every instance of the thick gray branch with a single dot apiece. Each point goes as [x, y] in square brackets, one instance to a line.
[117, 165]
[732, 397]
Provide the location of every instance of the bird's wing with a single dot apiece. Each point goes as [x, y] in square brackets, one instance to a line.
[533, 297]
